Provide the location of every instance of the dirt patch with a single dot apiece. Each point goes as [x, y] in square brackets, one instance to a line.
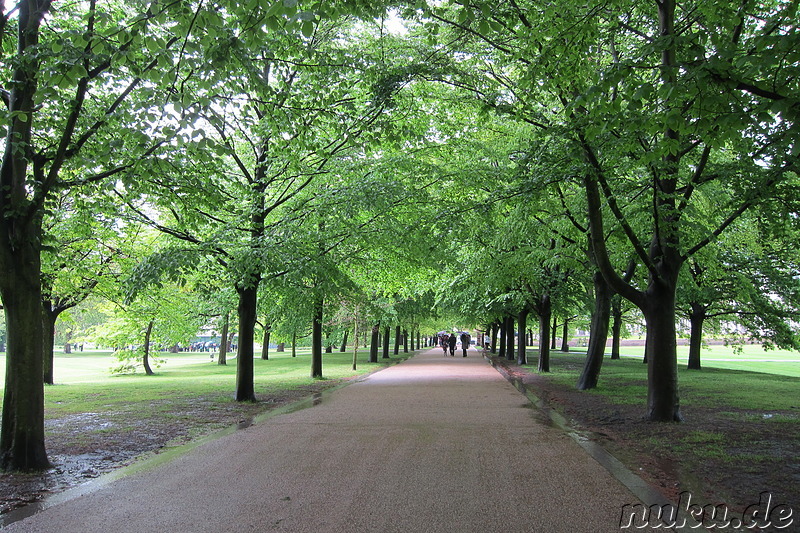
[719, 455]
[84, 446]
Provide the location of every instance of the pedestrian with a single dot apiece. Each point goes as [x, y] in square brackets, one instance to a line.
[465, 340]
[443, 343]
[452, 344]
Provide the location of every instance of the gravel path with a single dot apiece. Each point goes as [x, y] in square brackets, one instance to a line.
[434, 444]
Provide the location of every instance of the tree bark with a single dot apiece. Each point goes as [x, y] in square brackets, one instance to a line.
[544, 310]
[397, 334]
[503, 333]
[522, 355]
[598, 334]
[553, 334]
[343, 347]
[146, 358]
[510, 355]
[616, 326]
[49, 317]
[265, 343]
[248, 304]
[565, 336]
[222, 357]
[696, 319]
[386, 338]
[373, 345]
[405, 341]
[316, 339]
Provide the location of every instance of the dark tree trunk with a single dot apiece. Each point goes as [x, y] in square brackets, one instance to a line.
[386, 339]
[328, 348]
[222, 357]
[553, 334]
[503, 333]
[565, 336]
[146, 357]
[294, 344]
[522, 355]
[248, 303]
[696, 318]
[544, 309]
[397, 334]
[598, 334]
[616, 325]
[49, 317]
[510, 355]
[661, 349]
[316, 340]
[265, 343]
[343, 347]
[405, 341]
[373, 345]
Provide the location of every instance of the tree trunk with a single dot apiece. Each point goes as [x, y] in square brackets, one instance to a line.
[386, 334]
[565, 336]
[493, 339]
[265, 343]
[146, 358]
[553, 334]
[696, 318]
[49, 317]
[222, 358]
[316, 340]
[22, 446]
[522, 355]
[373, 345]
[405, 341]
[501, 352]
[661, 349]
[343, 347]
[294, 344]
[544, 310]
[397, 340]
[598, 334]
[510, 355]
[248, 304]
[616, 325]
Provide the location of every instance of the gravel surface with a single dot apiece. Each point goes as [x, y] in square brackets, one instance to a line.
[434, 444]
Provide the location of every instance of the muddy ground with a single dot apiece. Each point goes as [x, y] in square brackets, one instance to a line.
[748, 459]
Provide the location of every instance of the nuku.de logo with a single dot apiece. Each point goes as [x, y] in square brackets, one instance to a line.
[686, 514]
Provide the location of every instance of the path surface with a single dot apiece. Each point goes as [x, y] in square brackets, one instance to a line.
[433, 444]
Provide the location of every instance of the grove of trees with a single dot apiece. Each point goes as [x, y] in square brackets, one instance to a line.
[360, 168]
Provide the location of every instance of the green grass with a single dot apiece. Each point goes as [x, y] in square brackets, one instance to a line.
[747, 385]
[84, 384]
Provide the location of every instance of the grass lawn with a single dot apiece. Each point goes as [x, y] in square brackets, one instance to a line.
[84, 383]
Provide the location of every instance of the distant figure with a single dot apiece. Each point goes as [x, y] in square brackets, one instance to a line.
[452, 343]
[443, 342]
[465, 340]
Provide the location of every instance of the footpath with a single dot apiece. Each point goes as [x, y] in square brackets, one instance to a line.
[433, 444]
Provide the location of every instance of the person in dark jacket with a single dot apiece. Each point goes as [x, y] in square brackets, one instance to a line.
[465, 340]
[452, 343]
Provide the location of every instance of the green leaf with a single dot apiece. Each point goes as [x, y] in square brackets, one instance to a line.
[307, 28]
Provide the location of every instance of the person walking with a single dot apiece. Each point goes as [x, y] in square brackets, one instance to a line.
[452, 343]
[443, 342]
[465, 340]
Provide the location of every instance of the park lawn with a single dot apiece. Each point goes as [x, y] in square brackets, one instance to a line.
[84, 383]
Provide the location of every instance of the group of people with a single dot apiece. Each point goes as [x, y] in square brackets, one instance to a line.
[448, 342]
